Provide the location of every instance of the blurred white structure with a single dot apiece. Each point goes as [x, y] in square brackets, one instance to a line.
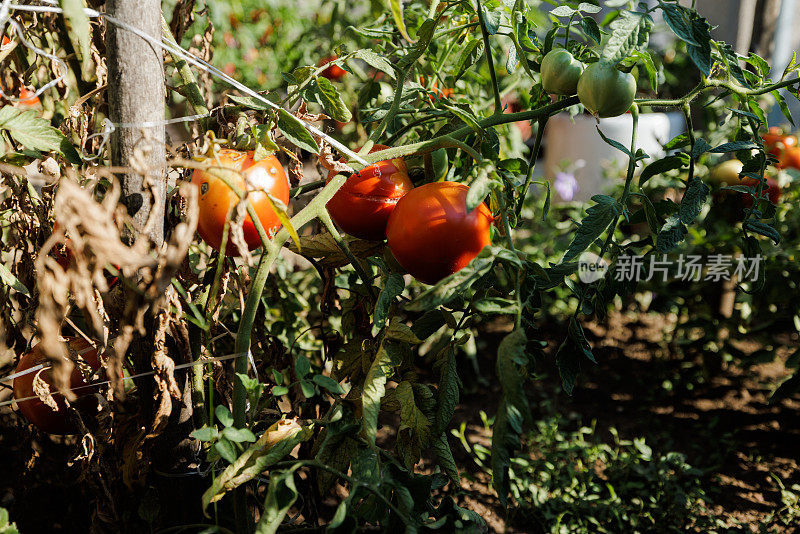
[570, 141]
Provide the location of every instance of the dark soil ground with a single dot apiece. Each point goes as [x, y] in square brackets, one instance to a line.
[723, 424]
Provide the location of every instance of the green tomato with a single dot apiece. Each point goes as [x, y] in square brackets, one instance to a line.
[560, 72]
[605, 90]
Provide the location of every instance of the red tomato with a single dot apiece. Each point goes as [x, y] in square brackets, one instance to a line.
[790, 158]
[65, 257]
[217, 199]
[361, 207]
[36, 411]
[772, 191]
[775, 141]
[334, 72]
[27, 99]
[431, 233]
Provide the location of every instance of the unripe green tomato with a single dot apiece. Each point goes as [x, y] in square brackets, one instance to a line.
[440, 164]
[560, 72]
[605, 90]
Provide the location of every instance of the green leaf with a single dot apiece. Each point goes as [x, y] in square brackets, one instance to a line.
[591, 29]
[252, 462]
[206, 433]
[470, 53]
[250, 103]
[32, 131]
[694, 198]
[79, 32]
[671, 234]
[629, 32]
[224, 415]
[302, 366]
[295, 132]
[694, 30]
[762, 229]
[9, 280]
[226, 449]
[331, 101]
[6, 526]
[444, 456]
[374, 389]
[496, 305]
[661, 166]
[238, 435]
[483, 182]
[616, 144]
[449, 391]
[424, 36]
[454, 285]
[568, 364]
[277, 391]
[396, 7]
[492, 18]
[414, 432]
[701, 146]
[391, 290]
[512, 412]
[399, 331]
[328, 383]
[597, 219]
[281, 495]
[733, 147]
[563, 11]
[307, 387]
[375, 61]
[579, 338]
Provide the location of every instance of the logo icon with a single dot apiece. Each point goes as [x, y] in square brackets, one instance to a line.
[591, 267]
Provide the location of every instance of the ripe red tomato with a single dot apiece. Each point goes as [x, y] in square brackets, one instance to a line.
[217, 199]
[334, 72]
[775, 141]
[790, 158]
[27, 99]
[772, 191]
[432, 235]
[36, 411]
[361, 207]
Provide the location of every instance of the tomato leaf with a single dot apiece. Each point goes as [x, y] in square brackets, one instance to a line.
[396, 6]
[692, 29]
[762, 229]
[35, 133]
[512, 412]
[391, 290]
[281, 495]
[295, 132]
[424, 36]
[470, 53]
[375, 61]
[629, 32]
[388, 356]
[694, 198]
[328, 383]
[661, 166]
[9, 280]
[238, 435]
[597, 219]
[671, 234]
[224, 415]
[250, 103]
[252, 462]
[331, 101]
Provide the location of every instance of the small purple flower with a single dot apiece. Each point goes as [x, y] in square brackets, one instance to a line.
[566, 185]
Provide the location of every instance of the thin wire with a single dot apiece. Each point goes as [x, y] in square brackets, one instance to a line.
[132, 377]
[194, 60]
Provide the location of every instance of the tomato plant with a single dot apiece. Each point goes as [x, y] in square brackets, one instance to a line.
[45, 417]
[322, 381]
[432, 234]
[361, 207]
[260, 178]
